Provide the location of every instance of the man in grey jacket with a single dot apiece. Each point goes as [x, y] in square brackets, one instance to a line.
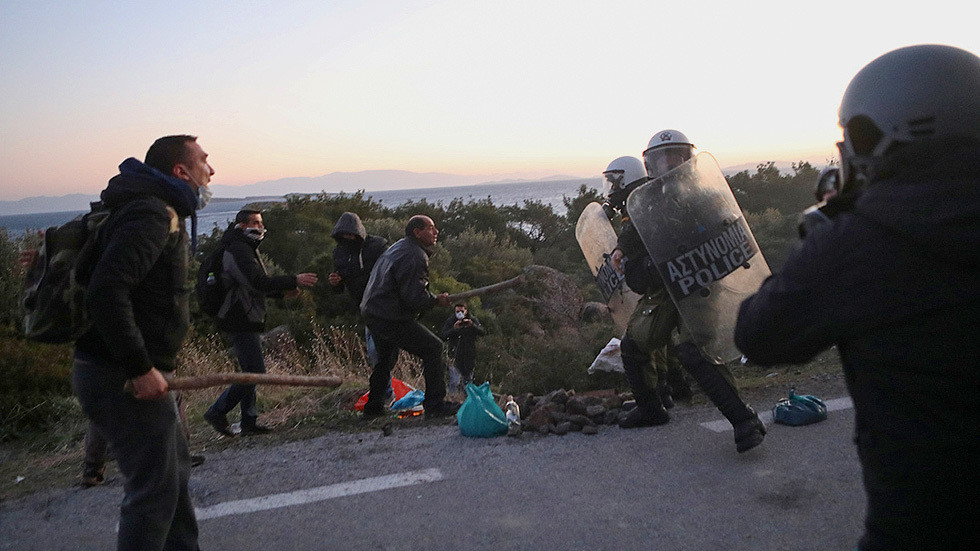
[396, 294]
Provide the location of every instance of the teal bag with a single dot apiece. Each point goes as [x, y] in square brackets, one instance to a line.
[799, 409]
[480, 416]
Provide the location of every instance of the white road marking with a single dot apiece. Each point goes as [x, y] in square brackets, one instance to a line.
[722, 425]
[313, 495]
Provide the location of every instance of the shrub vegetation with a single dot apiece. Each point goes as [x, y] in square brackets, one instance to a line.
[530, 347]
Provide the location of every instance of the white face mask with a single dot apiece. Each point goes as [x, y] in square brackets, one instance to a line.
[460, 315]
[255, 233]
[204, 194]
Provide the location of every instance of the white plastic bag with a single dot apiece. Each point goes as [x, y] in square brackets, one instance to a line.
[609, 359]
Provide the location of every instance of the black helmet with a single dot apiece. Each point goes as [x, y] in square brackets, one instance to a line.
[907, 95]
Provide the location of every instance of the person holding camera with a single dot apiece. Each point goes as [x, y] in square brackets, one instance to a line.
[461, 331]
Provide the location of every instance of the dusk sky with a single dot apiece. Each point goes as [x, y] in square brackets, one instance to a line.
[508, 89]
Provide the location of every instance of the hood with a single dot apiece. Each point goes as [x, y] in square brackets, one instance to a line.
[137, 180]
[349, 223]
[932, 199]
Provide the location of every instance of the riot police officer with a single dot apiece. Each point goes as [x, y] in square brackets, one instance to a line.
[894, 281]
[647, 363]
[670, 156]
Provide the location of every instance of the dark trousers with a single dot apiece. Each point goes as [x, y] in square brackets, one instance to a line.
[414, 338]
[248, 349]
[920, 495]
[97, 449]
[150, 448]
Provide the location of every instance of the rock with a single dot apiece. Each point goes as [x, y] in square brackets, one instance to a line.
[579, 420]
[538, 418]
[556, 397]
[561, 429]
[594, 311]
[590, 429]
[576, 406]
[558, 417]
[611, 417]
[613, 402]
[595, 411]
[544, 429]
[526, 402]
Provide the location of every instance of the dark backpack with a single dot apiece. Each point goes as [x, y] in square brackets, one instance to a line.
[54, 289]
[210, 287]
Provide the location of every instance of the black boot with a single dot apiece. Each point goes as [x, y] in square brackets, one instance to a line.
[749, 429]
[649, 410]
[646, 415]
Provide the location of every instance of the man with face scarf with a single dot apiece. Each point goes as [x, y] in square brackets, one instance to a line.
[242, 315]
[139, 314]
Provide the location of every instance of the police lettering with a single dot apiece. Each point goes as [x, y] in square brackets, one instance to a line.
[711, 260]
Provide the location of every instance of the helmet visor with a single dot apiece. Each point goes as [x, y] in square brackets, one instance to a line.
[612, 181]
[661, 160]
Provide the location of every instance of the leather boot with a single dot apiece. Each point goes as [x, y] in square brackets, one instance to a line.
[720, 389]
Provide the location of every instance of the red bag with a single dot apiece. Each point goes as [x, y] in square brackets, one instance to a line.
[400, 388]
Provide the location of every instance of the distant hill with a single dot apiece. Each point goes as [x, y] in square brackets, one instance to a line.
[368, 180]
[31, 205]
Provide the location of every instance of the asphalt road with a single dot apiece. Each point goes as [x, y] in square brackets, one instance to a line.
[680, 486]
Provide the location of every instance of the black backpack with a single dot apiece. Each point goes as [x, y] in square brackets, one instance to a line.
[54, 289]
[210, 287]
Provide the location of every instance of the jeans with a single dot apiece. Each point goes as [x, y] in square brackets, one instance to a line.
[414, 338]
[248, 348]
[150, 448]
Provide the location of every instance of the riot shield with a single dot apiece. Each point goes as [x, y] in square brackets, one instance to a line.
[704, 250]
[597, 238]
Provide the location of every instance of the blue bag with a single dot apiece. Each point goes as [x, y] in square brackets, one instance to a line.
[799, 409]
[409, 400]
[480, 416]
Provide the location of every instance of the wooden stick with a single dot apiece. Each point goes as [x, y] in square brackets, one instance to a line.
[222, 379]
[495, 288]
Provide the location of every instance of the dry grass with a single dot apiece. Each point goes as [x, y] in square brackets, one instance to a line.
[53, 456]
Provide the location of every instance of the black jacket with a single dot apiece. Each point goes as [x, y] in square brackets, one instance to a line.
[462, 340]
[398, 289]
[638, 269]
[353, 260]
[895, 283]
[137, 296]
[248, 285]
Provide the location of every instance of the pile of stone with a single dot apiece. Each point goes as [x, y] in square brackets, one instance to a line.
[563, 411]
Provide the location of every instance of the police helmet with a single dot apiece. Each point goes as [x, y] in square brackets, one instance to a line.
[622, 176]
[667, 150]
[907, 95]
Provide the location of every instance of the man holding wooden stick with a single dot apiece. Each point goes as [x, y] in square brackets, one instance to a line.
[140, 317]
[397, 292]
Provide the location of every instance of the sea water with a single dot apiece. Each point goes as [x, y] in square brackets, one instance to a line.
[220, 212]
